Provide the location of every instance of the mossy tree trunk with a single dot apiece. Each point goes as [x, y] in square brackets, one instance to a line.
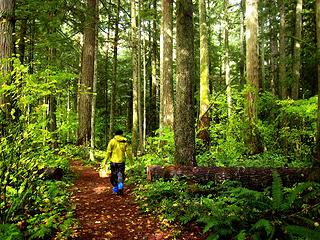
[204, 119]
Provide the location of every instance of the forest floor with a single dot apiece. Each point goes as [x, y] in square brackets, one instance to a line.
[104, 215]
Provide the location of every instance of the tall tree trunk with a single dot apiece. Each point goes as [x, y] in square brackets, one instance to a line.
[52, 101]
[144, 94]
[135, 89]
[94, 89]
[106, 83]
[282, 52]
[297, 52]
[6, 50]
[140, 147]
[114, 73]
[87, 75]
[317, 149]
[204, 119]
[184, 112]
[226, 56]
[263, 82]
[274, 50]
[252, 61]
[166, 81]
[242, 66]
[153, 119]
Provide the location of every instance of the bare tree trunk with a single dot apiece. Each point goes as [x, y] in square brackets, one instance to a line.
[87, 75]
[242, 66]
[184, 112]
[282, 53]
[6, 50]
[204, 119]
[144, 95]
[166, 81]
[263, 83]
[153, 117]
[252, 60]
[135, 101]
[94, 90]
[114, 73]
[274, 51]
[297, 52]
[226, 56]
[139, 83]
[106, 87]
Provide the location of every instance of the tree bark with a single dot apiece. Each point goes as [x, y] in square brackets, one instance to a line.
[252, 61]
[226, 56]
[255, 178]
[242, 66]
[297, 52]
[6, 50]
[113, 96]
[282, 52]
[274, 51]
[154, 85]
[204, 119]
[135, 102]
[94, 89]
[87, 75]
[184, 112]
[166, 81]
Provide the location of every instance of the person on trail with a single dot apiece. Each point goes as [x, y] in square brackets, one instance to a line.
[117, 151]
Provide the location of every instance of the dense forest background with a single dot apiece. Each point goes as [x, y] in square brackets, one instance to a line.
[193, 83]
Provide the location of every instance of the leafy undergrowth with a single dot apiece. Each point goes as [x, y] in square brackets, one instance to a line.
[229, 211]
[32, 206]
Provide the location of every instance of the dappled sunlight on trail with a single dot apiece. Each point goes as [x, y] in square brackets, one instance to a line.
[103, 215]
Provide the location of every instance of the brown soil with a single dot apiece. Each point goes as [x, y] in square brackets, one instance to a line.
[104, 215]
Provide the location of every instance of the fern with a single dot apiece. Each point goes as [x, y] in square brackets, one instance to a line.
[210, 223]
[265, 224]
[304, 232]
[241, 235]
[10, 232]
[295, 194]
[277, 191]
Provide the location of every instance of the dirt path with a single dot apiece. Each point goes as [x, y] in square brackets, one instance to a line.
[103, 215]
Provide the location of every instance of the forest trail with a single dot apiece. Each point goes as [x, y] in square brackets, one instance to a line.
[104, 215]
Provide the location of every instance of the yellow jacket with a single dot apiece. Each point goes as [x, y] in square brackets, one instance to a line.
[117, 148]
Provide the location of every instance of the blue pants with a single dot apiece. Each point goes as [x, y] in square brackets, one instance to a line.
[117, 173]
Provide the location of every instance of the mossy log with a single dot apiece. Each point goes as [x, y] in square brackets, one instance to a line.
[254, 178]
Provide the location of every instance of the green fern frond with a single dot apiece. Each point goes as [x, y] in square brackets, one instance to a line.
[277, 191]
[295, 194]
[210, 223]
[304, 232]
[241, 235]
[264, 224]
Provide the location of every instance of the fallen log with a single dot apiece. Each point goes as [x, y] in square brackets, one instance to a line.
[254, 178]
[52, 173]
